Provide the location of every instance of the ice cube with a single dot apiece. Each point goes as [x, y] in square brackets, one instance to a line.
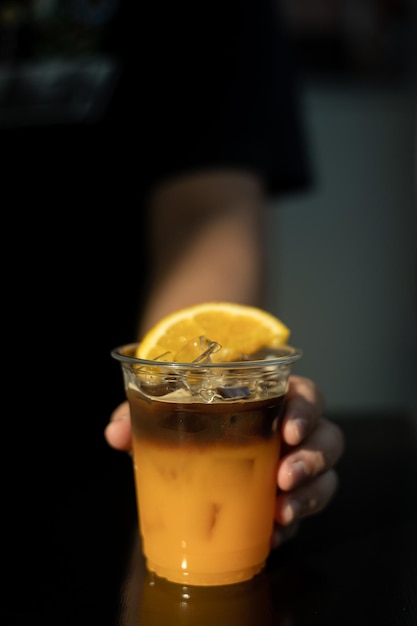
[233, 393]
[158, 389]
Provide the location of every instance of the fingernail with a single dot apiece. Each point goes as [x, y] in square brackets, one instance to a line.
[291, 510]
[300, 424]
[298, 471]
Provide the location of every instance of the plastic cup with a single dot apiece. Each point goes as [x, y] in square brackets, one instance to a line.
[206, 444]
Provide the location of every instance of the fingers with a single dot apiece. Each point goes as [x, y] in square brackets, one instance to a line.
[118, 433]
[306, 476]
[304, 407]
[311, 446]
[306, 500]
[318, 453]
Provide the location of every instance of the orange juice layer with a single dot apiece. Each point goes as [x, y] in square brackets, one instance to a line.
[206, 512]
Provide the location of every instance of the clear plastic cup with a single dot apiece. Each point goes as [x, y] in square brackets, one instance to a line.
[206, 444]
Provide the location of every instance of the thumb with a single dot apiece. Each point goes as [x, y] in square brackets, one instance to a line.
[118, 432]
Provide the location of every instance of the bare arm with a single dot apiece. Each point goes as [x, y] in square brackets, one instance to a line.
[206, 242]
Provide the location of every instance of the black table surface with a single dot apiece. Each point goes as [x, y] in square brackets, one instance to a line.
[354, 563]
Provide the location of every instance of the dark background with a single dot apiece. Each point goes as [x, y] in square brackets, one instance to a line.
[66, 170]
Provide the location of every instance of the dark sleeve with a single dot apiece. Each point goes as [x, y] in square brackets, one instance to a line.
[210, 85]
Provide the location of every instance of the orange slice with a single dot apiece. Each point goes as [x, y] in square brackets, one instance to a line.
[239, 330]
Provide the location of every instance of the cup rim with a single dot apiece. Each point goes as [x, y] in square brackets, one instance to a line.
[289, 355]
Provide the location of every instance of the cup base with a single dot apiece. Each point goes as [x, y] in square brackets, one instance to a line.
[206, 579]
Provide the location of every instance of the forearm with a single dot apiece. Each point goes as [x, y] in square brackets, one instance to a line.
[206, 242]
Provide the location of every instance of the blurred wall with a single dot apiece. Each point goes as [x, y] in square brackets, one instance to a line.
[343, 257]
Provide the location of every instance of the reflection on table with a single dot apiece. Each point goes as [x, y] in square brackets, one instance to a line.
[152, 601]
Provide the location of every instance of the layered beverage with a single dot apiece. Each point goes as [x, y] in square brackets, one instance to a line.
[206, 445]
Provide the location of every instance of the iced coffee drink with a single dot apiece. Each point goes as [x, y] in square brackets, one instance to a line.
[206, 445]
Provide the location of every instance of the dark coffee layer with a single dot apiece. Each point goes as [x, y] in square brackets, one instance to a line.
[230, 422]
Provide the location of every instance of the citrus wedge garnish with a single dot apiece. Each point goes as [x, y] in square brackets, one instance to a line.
[232, 330]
